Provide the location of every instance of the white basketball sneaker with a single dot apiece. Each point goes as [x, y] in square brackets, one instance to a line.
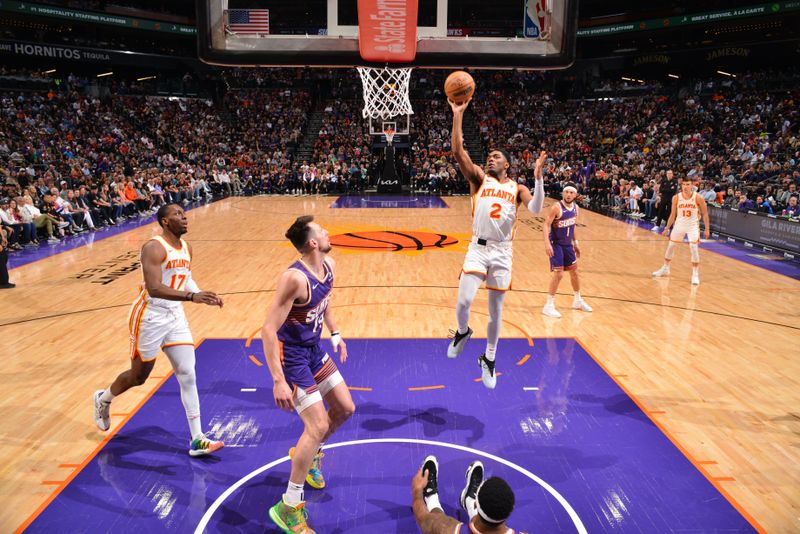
[487, 372]
[459, 342]
[663, 271]
[551, 311]
[695, 279]
[101, 411]
[580, 304]
[202, 445]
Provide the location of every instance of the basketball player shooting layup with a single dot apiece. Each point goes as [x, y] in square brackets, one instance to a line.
[688, 207]
[495, 199]
[157, 321]
[303, 373]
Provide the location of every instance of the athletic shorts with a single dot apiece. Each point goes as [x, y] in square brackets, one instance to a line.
[692, 231]
[563, 258]
[310, 372]
[153, 328]
[493, 261]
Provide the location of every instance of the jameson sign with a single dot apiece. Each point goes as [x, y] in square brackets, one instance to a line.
[760, 10]
[97, 18]
[90, 55]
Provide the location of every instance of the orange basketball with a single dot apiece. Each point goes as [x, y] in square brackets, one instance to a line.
[459, 86]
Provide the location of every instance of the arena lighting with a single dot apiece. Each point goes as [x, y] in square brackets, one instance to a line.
[145, 78]
[51, 71]
[726, 73]
[109, 73]
[673, 76]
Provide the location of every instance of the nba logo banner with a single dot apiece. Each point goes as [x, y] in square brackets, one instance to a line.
[534, 18]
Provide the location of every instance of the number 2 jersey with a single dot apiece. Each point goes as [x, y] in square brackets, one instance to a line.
[303, 326]
[494, 210]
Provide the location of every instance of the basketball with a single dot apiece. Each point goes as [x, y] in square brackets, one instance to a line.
[459, 86]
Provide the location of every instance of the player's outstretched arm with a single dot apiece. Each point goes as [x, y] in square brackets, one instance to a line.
[471, 172]
[535, 202]
[291, 286]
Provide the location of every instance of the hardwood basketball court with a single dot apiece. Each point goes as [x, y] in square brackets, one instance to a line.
[713, 366]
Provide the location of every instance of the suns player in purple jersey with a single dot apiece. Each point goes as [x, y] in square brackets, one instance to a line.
[495, 200]
[561, 247]
[304, 374]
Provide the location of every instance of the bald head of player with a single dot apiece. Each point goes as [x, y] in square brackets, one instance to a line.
[172, 218]
[497, 163]
[308, 236]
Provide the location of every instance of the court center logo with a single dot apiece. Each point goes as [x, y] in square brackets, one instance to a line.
[392, 240]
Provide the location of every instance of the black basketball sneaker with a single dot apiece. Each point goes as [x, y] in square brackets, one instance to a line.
[431, 465]
[474, 481]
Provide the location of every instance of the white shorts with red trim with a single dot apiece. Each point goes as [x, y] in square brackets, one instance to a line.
[154, 328]
[680, 230]
[493, 261]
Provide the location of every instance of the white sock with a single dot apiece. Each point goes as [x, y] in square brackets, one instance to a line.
[472, 509]
[107, 396]
[321, 443]
[577, 296]
[432, 502]
[550, 300]
[294, 494]
[696, 270]
[195, 428]
[491, 350]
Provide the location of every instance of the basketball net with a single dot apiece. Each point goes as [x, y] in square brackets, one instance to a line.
[385, 92]
[389, 133]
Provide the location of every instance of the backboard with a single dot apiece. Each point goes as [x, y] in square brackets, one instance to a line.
[523, 34]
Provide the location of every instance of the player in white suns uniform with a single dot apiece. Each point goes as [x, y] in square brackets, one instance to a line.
[688, 208]
[157, 322]
[495, 199]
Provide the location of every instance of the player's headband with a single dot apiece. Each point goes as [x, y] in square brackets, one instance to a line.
[481, 512]
[570, 188]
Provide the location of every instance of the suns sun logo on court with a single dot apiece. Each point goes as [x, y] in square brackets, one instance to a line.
[392, 240]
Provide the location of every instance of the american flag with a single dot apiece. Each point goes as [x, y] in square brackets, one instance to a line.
[248, 20]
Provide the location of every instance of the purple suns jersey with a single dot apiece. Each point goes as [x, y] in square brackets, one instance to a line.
[563, 230]
[303, 326]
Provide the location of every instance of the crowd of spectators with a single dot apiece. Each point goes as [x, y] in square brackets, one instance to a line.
[73, 159]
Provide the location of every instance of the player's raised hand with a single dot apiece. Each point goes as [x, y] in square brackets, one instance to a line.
[458, 108]
[283, 396]
[537, 170]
